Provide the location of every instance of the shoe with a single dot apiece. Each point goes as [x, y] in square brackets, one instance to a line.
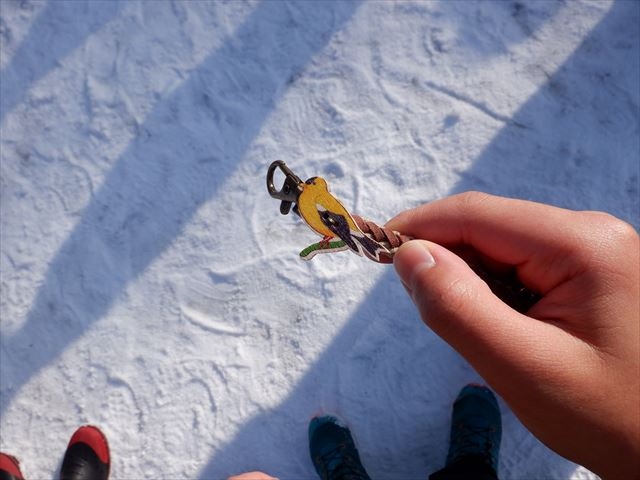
[9, 468]
[332, 450]
[87, 456]
[476, 427]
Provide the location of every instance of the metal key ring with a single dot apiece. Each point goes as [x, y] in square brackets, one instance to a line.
[290, 189]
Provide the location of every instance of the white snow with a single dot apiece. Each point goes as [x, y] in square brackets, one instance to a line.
[149, 283]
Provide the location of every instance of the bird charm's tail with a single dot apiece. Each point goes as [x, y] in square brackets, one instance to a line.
[368, 247]
[345, 228]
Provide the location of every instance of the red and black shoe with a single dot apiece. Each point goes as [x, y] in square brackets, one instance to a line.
[87, 456]
[9, 468]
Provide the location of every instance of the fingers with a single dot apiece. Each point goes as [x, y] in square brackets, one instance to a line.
[461, 308]
[500, 227]
[533, 237]
[450, 297]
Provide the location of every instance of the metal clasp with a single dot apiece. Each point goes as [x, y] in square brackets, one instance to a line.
[290, 189]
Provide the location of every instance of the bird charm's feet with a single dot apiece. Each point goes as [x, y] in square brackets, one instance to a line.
[325, 242]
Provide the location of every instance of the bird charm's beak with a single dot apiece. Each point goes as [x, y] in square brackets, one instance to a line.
[290, 190]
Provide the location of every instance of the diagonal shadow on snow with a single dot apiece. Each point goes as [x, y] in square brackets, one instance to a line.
[161, 180]
[571, 141]
[275, 440]
[476, 33]
[46, 45]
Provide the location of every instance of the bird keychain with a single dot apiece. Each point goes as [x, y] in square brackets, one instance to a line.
[328, 217]
[340, 230]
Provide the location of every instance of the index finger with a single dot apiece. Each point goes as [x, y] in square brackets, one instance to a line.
[542, 242]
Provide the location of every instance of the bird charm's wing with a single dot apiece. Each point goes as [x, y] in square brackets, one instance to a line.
[339, 225]
[357, 241]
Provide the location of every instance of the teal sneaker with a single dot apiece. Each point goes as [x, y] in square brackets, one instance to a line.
[476, 427]
[332, 450]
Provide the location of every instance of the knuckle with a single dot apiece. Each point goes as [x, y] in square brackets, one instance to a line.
[615, 230]
[610, 240]
[623, 231]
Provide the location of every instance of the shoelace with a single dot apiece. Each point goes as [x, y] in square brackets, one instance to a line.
[470, 438]
[337, 465]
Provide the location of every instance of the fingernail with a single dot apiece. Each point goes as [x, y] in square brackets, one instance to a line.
[412, 258]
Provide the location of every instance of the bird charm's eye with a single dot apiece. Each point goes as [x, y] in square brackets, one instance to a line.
[311, 181]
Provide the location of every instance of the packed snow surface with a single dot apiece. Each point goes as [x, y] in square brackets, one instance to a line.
[150, 285]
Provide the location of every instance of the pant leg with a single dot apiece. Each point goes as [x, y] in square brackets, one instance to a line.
[469, 468]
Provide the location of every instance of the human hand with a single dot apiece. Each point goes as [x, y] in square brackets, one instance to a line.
[570, 367]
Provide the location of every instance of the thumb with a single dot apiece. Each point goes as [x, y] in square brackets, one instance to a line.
[460, 307]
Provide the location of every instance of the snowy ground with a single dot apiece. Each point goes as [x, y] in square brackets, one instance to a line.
[149, 284]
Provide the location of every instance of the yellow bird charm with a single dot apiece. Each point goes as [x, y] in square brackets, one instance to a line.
[324, 214]
[328, 217]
